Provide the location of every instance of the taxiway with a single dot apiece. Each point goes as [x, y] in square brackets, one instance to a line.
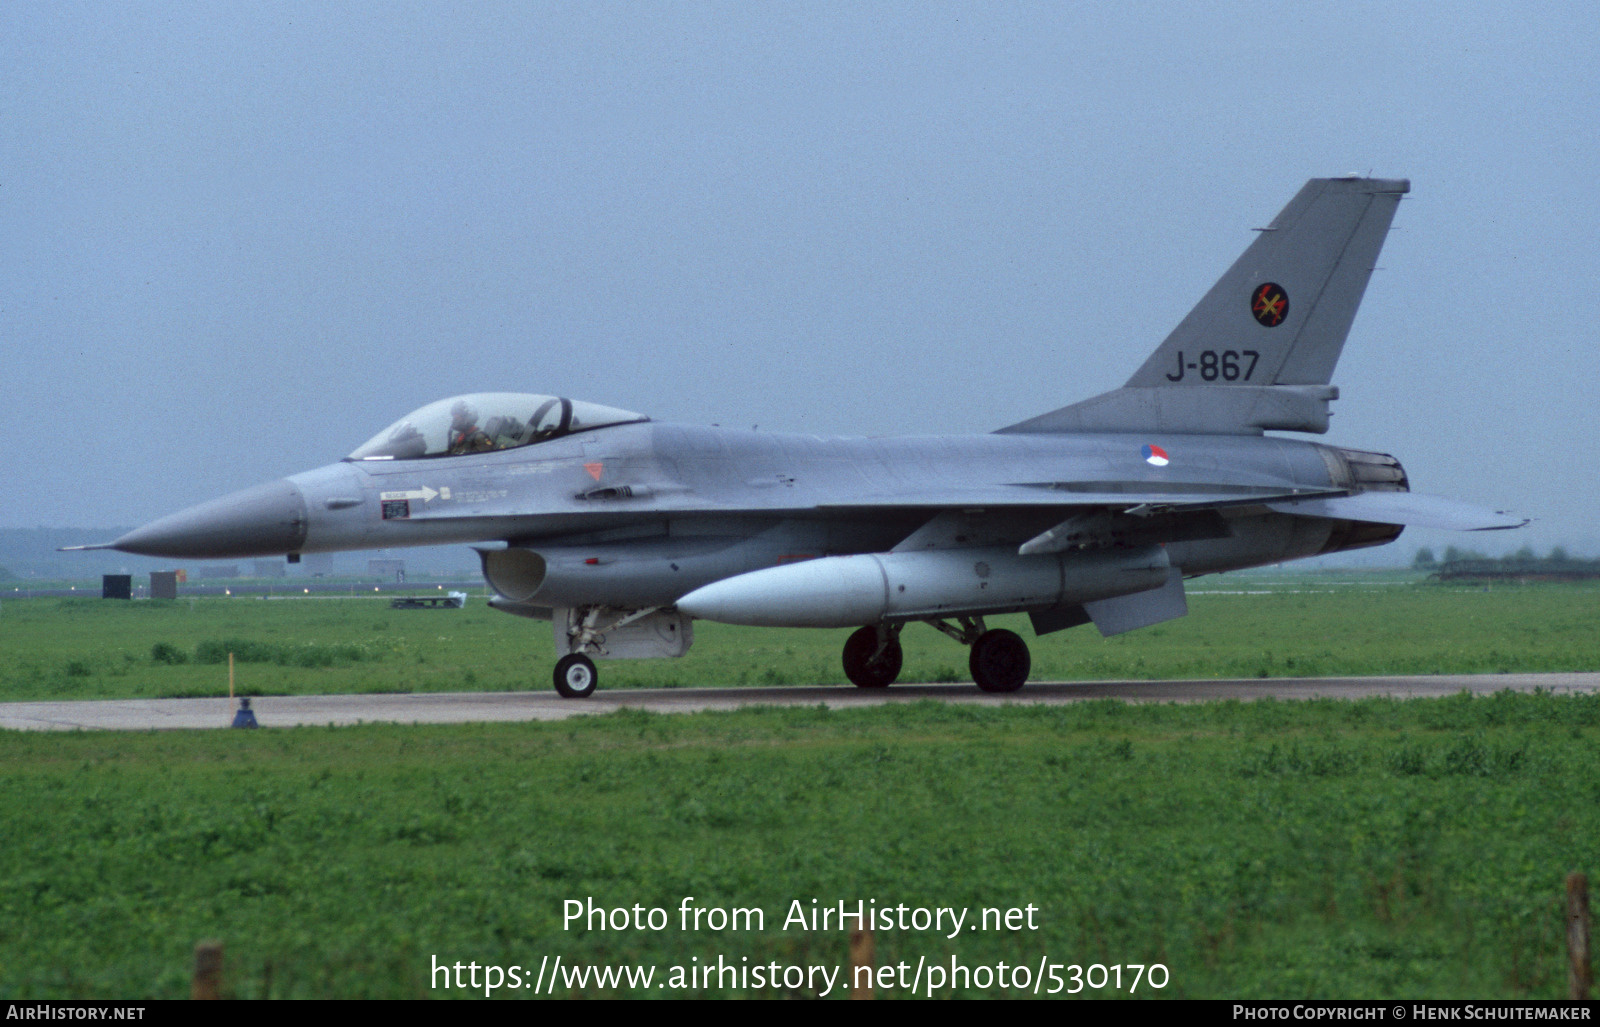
[472, 707]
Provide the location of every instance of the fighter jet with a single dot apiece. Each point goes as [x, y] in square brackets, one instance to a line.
[622, 531]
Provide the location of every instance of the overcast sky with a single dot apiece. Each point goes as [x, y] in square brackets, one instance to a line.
[239, 239]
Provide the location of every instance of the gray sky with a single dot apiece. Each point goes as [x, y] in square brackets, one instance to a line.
[240, 239]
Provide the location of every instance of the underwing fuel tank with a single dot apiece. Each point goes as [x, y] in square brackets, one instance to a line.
[849, 591]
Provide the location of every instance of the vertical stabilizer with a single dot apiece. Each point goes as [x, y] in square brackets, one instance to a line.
[1258, 352]
[1292, 296]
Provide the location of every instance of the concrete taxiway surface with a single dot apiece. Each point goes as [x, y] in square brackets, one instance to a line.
[464, 707]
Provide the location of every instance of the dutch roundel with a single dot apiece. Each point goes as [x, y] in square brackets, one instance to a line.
[1155, 456]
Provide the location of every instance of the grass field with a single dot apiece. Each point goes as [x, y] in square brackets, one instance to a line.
[1373, 849]
[1238, 626]
[1335, 849]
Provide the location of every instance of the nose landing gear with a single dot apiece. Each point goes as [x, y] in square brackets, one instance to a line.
[575, 676]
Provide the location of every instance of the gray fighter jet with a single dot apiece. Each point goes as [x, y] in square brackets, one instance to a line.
[622, 530]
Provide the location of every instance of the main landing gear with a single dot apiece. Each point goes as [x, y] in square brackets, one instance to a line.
[872, 656]
[999, 660]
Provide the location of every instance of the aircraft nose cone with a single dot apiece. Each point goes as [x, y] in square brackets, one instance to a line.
[265, 520]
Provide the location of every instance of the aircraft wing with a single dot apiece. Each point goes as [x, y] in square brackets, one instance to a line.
[1413, 509]
[1135, 496]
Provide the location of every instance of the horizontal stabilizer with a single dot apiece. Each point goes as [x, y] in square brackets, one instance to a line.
[1142, 609]
[1058, 618]
[1412, 509]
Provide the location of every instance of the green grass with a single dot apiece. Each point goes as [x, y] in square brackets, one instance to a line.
[1379, 849]
[1372, 849]
[1238, 626]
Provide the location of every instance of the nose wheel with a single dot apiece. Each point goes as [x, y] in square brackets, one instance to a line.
[576, 676]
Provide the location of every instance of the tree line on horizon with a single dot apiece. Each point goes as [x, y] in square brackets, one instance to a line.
[1524, 562]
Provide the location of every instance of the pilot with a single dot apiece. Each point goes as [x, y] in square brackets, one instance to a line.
[465, 435]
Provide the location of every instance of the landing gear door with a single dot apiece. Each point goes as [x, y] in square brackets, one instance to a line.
[620, 635]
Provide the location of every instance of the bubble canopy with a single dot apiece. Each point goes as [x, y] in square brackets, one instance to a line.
[484, 422]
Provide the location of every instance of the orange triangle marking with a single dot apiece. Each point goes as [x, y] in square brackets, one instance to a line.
[594, 470]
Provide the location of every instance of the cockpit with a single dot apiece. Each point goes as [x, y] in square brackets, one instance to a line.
[487, 421]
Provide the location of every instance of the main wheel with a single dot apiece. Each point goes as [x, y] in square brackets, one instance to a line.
[1000, 661]
[862, 669]
[576, 676]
